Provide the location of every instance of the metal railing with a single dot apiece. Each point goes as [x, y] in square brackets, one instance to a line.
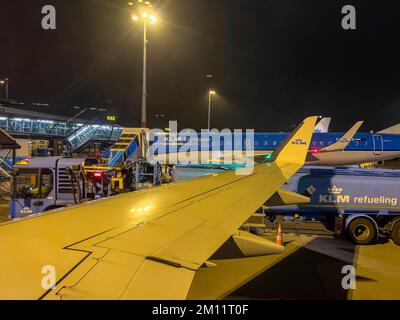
[20, 126]
[5, 168]
[90, 133]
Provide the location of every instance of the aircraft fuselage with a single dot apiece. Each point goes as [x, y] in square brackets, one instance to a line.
[363, 148]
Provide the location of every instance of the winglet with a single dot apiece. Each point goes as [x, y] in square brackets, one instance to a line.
[345, 140]
[392, 130]
[294, 149]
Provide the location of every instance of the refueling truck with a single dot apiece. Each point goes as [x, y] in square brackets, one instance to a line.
[363, 203]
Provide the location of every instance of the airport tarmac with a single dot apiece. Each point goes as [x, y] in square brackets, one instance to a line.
[310, 268]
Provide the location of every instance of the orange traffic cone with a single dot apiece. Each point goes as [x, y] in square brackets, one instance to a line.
[279, 240]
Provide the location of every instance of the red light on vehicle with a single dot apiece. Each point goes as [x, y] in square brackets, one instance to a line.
[98, 174]
[316, 150]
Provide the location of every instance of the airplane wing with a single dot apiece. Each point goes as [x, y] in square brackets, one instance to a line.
[345, 140]
[141, 245]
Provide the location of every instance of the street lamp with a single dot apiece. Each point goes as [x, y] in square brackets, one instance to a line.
[144, 14]
[210, 94]
[5, 82]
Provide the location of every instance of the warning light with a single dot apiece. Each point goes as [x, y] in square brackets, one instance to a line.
[316, 150]
[111, 118]
[98, 175]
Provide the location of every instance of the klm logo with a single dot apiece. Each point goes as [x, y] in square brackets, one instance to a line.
[334, 199]
[299, 142]
[334, 196]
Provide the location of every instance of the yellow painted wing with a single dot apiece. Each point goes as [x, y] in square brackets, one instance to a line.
[142, 245]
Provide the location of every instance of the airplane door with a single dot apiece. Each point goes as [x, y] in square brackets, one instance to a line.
[378, 145]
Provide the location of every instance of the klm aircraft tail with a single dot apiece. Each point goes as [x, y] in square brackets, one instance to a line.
[323, 125]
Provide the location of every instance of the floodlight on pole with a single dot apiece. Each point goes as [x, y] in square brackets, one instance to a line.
[144, 14]
[211, 93]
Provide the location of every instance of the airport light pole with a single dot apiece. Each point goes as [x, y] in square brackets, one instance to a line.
[144, 91]
[5, 82]
[148, 18]
[210, 94]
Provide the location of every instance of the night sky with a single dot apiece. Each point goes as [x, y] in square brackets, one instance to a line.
[274, 62]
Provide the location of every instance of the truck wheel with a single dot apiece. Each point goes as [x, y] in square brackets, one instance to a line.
[362, 231]
[395, 233]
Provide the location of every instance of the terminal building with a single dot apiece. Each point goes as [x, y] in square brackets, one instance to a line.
[40, 133]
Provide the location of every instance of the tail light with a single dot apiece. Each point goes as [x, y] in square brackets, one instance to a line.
[98, 175]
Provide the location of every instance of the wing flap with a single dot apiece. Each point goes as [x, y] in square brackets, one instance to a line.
[124, 276]
[159, 281]
[101, 279]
